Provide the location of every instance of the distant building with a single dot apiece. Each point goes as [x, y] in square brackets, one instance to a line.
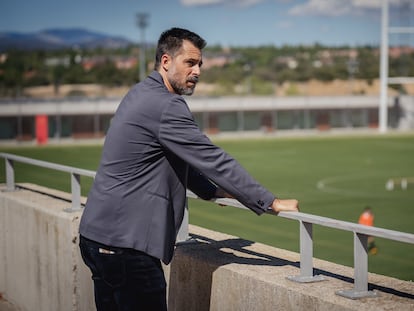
[90, 118]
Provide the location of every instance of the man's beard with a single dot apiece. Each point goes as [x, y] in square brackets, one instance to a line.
[182, 89]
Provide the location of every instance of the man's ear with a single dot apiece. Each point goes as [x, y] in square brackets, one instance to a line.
[165, 62]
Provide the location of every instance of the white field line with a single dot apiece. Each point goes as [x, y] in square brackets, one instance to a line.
[327, 185]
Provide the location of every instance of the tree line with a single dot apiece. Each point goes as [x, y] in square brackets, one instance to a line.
[257, 69]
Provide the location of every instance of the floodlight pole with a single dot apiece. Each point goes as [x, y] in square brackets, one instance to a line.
[142, 22]
[383, 108]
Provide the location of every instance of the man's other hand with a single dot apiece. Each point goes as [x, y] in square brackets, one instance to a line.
[289, 205]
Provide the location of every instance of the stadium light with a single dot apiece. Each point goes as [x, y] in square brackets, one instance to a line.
[383, 108]
[385, 80]
[142, 23]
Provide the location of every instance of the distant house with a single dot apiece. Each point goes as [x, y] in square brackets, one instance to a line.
[89, 63]
[211, 59]
[57, 61]
[125, 63]
[120, 62]
[395, 52]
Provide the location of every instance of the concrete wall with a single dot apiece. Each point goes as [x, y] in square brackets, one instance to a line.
[41, 268]
[40, 263]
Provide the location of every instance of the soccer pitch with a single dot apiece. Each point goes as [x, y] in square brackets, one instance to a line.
[331, 176]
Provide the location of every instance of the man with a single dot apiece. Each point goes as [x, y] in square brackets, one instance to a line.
[153, 151]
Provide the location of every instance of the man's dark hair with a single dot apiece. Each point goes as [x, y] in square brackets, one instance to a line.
[171, 41]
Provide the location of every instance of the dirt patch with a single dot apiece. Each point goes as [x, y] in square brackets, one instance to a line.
[75, 90]
[336, 88]
[311, 88]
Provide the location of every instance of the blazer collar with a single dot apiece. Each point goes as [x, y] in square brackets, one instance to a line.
[155, 75]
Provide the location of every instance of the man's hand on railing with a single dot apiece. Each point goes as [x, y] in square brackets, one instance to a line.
[289, 205]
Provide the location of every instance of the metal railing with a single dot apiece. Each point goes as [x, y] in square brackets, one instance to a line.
[306, 222]
[75, 174]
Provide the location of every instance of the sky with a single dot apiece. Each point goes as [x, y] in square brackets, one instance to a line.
[219, 22]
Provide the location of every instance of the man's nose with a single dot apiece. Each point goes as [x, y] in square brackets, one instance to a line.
[197, 70]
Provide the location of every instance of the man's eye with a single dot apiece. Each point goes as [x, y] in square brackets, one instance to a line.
[193, 63]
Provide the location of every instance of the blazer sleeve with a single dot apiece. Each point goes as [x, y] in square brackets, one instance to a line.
[180, 134]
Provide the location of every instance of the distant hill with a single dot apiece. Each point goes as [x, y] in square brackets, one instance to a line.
[52, 39]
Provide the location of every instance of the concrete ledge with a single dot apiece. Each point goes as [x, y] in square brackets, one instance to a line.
[41, 268]
[228, 273]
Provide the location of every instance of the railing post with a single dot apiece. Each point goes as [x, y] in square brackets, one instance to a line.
[360, 262]
[9, 174]
[183, 236]
[76, 193]
[306, 256]
[183, 233]
[360, 289]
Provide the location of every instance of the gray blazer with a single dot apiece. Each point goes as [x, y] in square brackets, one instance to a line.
[152, 152]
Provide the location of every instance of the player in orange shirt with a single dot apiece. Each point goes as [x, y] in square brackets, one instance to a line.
[367, 219]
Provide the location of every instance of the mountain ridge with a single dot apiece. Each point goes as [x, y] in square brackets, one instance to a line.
[60, 38]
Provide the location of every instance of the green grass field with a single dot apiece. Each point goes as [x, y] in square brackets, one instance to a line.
[353, 172]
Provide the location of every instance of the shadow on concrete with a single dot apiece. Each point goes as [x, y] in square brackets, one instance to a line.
[371, 286]
[209, 255]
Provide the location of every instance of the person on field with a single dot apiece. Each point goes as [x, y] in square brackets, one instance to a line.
[153, 151]
[367, 219]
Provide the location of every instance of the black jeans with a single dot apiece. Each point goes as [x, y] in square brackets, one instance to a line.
[124, 279]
